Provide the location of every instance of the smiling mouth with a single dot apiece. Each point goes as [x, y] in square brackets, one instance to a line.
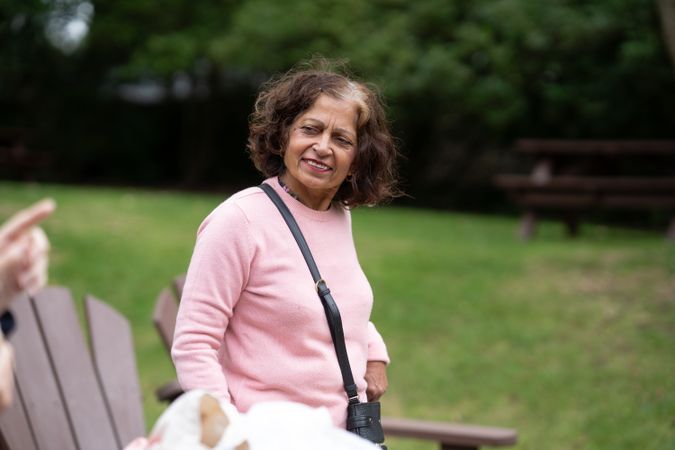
[317, 165]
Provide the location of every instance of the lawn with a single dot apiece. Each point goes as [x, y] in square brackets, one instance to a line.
[572, 342]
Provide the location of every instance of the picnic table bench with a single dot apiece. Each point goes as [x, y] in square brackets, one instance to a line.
[449, 436]
[575, 176]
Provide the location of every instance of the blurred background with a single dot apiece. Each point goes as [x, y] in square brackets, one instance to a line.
[133, 114]
[158, 93]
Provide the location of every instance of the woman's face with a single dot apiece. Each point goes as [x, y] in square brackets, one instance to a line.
[321, 150]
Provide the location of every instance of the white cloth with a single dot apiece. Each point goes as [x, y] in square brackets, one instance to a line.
[294, 426]
[278, 425]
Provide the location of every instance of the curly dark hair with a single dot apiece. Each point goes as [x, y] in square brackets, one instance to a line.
[282, 100]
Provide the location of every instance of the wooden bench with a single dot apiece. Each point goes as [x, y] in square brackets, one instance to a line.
[449, 436]
[575, 176]
[66, 396]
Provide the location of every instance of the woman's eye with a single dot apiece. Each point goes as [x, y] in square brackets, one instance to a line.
[344, 141]
[308, 129]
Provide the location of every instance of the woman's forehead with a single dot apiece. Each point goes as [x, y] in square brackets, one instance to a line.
[327, 108]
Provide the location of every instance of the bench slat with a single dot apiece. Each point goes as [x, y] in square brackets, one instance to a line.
[74, 369]
[113, 353]
[178, 285]
[164, 317]
[595, 147]
[39, 391]
[587, 201]
[15, 419]
[582, 183]
[448, 433]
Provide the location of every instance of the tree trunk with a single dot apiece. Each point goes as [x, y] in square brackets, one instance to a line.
[667, 14]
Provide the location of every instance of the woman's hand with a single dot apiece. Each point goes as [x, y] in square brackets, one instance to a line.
[376, 377]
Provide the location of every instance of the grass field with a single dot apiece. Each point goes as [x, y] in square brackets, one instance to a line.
[572, 342]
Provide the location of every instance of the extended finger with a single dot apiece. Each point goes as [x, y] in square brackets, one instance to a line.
[25, 219]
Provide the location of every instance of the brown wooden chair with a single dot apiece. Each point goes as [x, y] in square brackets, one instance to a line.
[67, 396]
[450, 436]
[164, 319]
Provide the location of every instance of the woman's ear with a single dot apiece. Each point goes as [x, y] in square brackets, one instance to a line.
[350, 174]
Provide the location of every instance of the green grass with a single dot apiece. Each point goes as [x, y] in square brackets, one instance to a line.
[572, 342]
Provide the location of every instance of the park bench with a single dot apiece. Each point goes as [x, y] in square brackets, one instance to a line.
[67, 396]
[449, 436]
[571, 177]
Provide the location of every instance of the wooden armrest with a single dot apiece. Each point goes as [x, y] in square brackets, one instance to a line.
[169, 391]
[449, 434]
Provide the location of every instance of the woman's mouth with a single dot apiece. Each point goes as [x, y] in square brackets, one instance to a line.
[316, 165]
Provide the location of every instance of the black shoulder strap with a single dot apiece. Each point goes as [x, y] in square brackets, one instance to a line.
[329, 306]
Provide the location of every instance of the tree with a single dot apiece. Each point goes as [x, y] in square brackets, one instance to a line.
[462, 78]
[667, 13]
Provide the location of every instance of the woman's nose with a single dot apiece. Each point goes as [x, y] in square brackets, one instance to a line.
[323, 144]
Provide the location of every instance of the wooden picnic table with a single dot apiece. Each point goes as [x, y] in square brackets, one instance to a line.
[573, 176]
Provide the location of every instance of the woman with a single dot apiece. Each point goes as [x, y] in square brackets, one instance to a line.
[250, 326]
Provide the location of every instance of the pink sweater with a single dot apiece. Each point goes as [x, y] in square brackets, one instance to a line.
[251, 327]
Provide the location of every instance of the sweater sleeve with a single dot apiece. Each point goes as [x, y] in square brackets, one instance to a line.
[377, 350]
[217, 274]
